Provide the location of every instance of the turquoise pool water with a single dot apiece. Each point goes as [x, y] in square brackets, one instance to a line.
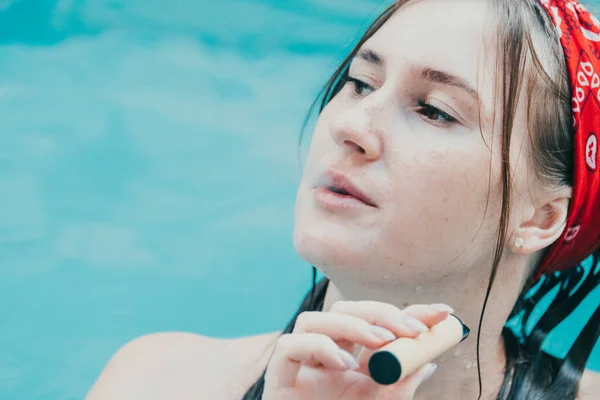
[148, 171]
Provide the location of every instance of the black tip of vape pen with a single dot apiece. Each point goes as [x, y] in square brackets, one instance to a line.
[385, 368]
[466, 331]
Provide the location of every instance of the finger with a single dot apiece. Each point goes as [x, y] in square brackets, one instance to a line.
[348, 346]
[363, 360]
[382, 314]
[411, 383]
[430, 315]
[343, 328]
[292, 350]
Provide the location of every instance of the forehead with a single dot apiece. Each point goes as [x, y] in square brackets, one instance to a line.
[444, 34]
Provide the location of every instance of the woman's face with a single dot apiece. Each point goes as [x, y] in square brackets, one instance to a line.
[405, 130]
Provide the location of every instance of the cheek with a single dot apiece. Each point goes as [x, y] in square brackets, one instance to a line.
[439, 202]
[320, 152]
[318, 158]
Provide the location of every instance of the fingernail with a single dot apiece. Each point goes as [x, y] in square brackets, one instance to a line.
[442, 308]
[432, 369]
[415, 324]
[382, 333]
[348, 359]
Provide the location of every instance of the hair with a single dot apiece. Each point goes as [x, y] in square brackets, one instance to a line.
[530, 58]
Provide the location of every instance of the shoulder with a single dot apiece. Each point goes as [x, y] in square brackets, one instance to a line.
[589, 386]
[183, 365]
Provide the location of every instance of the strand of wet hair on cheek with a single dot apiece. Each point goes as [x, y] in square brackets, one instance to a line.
[510, 87]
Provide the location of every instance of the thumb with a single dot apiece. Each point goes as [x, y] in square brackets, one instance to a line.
[412, 382]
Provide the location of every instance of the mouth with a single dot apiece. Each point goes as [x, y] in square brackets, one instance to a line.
[339, 186]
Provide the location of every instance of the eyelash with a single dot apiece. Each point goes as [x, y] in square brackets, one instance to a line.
[428, 109]
[446, 119]
[359, 85]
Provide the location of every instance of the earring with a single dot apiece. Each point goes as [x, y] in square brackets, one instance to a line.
[519, 242]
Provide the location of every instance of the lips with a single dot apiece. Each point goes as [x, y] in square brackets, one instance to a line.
[340, 184]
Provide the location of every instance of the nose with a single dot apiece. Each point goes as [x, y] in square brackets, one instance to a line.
[355, 133]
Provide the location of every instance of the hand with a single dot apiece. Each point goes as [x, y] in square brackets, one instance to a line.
[315, 361]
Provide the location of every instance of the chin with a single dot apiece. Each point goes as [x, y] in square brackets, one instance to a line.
[330, 250]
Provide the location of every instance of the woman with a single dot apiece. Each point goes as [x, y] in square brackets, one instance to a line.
[454, 161]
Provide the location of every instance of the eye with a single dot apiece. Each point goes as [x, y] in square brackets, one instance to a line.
[360, 88]
[434, 115]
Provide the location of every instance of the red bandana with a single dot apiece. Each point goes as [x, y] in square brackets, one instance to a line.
[579, 33]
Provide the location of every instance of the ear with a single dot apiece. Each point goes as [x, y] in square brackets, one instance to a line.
[544, 223]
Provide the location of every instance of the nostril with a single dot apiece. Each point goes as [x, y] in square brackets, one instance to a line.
[354, 146]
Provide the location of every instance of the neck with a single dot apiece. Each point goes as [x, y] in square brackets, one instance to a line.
[456, 376]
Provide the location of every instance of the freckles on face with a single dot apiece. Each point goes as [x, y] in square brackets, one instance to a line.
[438, 200]
[431, 177]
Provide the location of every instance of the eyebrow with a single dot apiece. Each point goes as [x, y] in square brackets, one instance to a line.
[371, 57]
[444, 78]
[426, 73]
